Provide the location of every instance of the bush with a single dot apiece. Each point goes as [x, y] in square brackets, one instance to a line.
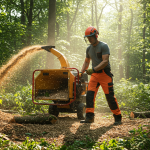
[133, 95]
[21, 100]
[129, 94]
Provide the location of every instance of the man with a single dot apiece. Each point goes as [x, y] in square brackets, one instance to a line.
[100, 73]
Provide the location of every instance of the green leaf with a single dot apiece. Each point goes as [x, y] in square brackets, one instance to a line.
[1, 101]
[29, 134]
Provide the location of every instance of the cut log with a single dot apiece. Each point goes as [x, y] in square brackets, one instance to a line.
[145, 114]
[38, 119]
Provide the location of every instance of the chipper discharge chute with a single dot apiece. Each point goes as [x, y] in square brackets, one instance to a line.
[61, 89]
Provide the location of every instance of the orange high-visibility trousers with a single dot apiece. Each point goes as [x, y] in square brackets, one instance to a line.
[104, 79]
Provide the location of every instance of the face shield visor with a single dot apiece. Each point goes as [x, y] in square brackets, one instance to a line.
[86, 37]
[86, 40]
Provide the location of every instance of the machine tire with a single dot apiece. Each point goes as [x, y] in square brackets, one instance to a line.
[81, 111]
[53, 110]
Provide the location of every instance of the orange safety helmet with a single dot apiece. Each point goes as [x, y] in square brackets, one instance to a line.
[90, 31]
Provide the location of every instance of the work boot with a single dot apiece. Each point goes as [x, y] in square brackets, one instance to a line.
[118, 119]
[89, 118]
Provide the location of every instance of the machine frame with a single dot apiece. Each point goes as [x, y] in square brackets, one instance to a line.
[76, 80]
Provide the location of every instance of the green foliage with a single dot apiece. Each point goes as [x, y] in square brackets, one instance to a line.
[28, 144]
[10, 39]
[132, 95]
[72, 18]
[21, 100]
[88, 143]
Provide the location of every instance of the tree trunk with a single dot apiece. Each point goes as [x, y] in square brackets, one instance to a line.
[127, 67]
[23, 21]
[22, 12]
[96, 15]
[39, 119]
[57, 29]
[51, 22]
[26, 70]
[92, 16]
[29, 25]
[145, 114]
[129, 46]
[144, 49]
[119, 40]
[51, 33]
[69, 25]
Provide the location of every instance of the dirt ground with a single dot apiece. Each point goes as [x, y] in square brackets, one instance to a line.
[68, 128]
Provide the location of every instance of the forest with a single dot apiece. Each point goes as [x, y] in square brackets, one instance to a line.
[123, 24]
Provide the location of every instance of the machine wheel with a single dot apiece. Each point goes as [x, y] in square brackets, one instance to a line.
[53, 110]
[81, 111]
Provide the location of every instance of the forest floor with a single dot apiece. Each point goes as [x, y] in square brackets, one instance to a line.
[68, 128]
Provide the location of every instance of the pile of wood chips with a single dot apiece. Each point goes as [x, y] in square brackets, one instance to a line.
[59, 94]
[68, 128]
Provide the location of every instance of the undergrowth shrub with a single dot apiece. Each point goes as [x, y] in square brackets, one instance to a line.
[132, 95]
[20, 100]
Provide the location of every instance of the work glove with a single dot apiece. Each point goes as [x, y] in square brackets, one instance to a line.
[90, 71]
[80, 74]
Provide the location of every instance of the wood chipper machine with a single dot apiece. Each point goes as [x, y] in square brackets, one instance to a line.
[61, 89]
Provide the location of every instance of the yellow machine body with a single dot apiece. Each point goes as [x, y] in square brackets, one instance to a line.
[57, 84]
[63, 60]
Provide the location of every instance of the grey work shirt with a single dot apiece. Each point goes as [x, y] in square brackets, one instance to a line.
[96, 52]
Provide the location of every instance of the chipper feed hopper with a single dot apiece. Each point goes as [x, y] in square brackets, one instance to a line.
[61, 89]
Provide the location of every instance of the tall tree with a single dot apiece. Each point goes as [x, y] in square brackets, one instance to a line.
[30, 19]
[144, 31]
[92, 16]
[70, 23]
[129, 46]
[22, 12]
[51, 22]
[100, 15]
[51, 32]
[119, 37]
[23, 20]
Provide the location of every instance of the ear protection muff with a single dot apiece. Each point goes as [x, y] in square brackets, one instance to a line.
[96, 33]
